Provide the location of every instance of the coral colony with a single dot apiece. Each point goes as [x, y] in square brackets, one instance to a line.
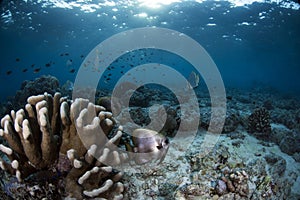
[43, 136]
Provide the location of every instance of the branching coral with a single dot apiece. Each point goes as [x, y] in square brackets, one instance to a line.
[51, 128]
[259, 122]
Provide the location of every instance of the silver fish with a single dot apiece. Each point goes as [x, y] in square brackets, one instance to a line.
[193, 80]
[149, 146]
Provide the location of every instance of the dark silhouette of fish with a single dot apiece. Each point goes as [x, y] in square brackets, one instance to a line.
[72, 71]
[32, 65]
[8, 72]
[24, 70]
[18, 59]
[37, 70]
[47, 64]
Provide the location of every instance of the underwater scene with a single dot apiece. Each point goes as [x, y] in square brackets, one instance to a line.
[148, 99]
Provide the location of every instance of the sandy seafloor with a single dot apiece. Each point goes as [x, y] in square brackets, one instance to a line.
[269, 172]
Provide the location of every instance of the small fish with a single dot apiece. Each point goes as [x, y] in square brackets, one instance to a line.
[47, 64]
[69, 85]
[24, 70]
[32, 65]
[72, 71]
[8, 72]
[66, 54]
[109, 74]
[61, 54]
[108, 79]
[69, 62]
[193, 80]
[18, 59]
[148, 146]
[37, 70]
[81, 56]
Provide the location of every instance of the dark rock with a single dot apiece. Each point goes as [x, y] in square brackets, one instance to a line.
[236, 135]
[268, 105]
[290, 144]
[296, 157]
[166, 189]
[278, 133]
[231, 123]
[279, 167]
[49, 84]
[272, 158]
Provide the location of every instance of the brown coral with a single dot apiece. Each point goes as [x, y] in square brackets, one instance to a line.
[49, 127]
[259, 122]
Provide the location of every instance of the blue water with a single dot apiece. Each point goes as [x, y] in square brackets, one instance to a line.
[252, 45]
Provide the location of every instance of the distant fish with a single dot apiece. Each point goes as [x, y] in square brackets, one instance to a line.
[72, 70]
[32, 65]
[69, 62]
[47, 64]
[66, 54]
[8, 72]
[25, 70]
[37, 70]
[193, 80]
[69, 85]
[18, 59]
[81, 56]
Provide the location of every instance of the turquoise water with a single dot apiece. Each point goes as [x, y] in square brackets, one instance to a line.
[255, 44]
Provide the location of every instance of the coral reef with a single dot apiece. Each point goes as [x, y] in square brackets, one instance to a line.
[53, 135]
[259, 122]
[49, 84]
[236, 182]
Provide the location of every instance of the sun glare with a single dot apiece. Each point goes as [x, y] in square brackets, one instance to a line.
[156, 3]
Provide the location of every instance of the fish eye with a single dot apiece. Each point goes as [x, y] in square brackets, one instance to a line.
[159, 147]
[167, 141]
